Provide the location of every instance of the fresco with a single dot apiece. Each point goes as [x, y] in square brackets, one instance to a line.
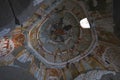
[52, 45]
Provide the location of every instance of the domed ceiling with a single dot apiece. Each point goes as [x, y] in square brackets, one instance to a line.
[62, 40]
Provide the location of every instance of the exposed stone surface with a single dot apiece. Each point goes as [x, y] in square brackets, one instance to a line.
[94, 75]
